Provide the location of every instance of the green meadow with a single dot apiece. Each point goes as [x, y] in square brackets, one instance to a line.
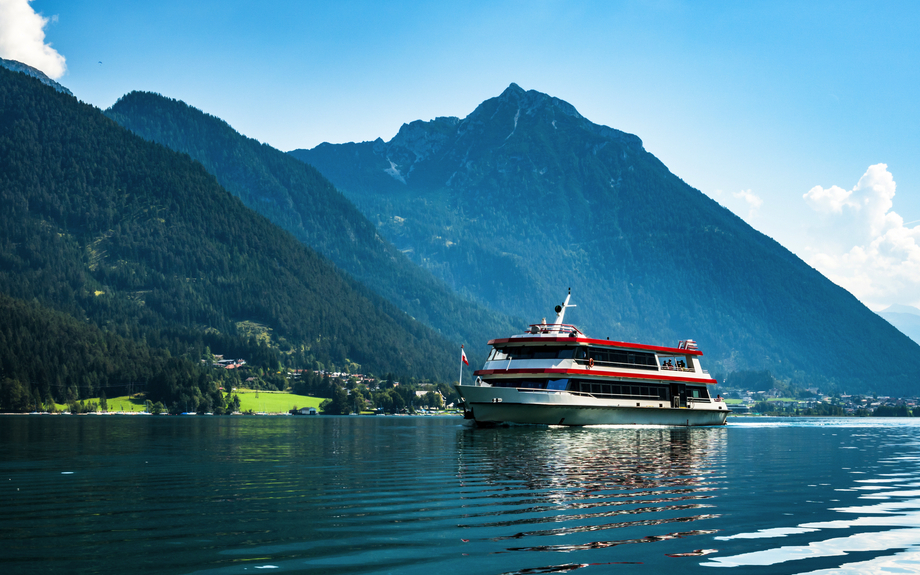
[250, 400]
[274, 402]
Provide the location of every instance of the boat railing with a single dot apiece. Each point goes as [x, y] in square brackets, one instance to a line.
[598, 363]
[675, 368]
[555, 328]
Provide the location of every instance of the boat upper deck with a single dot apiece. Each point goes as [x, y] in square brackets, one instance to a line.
[558, 334]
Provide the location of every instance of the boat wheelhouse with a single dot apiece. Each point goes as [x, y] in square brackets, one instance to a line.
[554, 374]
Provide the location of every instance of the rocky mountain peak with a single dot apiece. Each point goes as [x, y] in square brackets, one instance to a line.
[423, 138]
[532, 101]
[512, 90]
[515, 104]
[490, 137]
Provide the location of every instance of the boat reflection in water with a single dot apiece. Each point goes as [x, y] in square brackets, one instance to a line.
[577, 490]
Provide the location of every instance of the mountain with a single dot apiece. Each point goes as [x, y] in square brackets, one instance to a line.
[525, 197]
[17, 66]
[298, 198]
[904, 317]
[141, 242]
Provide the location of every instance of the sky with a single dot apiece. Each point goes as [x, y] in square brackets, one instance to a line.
[800, 117]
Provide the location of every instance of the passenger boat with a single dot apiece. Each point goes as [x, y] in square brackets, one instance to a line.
[556, 375]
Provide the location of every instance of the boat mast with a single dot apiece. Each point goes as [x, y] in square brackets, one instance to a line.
[560, 309]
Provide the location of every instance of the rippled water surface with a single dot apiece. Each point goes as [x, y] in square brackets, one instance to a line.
[431, 495]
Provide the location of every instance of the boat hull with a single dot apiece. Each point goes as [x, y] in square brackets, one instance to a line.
[511, 405]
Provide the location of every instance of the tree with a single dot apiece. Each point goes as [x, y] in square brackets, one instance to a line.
[434, 400]
[338, 405]
[13, 396]
[396, 400]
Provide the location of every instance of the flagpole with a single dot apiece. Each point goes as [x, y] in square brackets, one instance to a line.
[460, 381]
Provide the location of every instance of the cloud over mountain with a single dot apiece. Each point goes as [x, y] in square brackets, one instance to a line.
[22, 38]
[752, 200]
[861, 243]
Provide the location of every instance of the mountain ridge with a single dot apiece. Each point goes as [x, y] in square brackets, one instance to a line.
[299, 199]
[17, 66]
[525, 197]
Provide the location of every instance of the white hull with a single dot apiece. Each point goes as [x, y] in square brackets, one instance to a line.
[496, 404]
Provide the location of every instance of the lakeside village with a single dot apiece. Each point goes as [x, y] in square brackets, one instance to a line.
[248, 390]
[765, 403]
[251, 391]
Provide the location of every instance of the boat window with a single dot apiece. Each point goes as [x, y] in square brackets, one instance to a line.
[555, 384]
[558, 384]
[539, 352]
[621, 358]
[544, 354]
[620, 391]
[566, 353]
[498, 355]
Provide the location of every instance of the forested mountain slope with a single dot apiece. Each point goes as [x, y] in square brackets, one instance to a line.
[525, 197]
[298, 198]
[143, 243]
[48, 356]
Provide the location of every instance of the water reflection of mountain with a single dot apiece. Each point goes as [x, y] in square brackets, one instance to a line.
[526, 483]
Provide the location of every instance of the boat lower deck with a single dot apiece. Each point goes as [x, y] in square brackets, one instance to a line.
[492, 404]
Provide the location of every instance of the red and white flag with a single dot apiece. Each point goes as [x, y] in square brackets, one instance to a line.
[463, 356]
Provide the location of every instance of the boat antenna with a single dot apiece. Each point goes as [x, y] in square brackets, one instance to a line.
[560, 309]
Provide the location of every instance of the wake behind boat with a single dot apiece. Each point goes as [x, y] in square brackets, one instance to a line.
[554, 374]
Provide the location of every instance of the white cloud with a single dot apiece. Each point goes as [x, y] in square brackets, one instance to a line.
[829, 201]
[861, 244]
[22, 38]
[751, 199]
[749, 202]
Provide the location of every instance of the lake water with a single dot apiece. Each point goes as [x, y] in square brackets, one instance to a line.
[429, 495]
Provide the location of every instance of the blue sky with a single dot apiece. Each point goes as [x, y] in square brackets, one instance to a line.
[798, 116]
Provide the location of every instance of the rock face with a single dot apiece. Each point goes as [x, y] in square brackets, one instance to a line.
[17, 66]
[525, 197]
